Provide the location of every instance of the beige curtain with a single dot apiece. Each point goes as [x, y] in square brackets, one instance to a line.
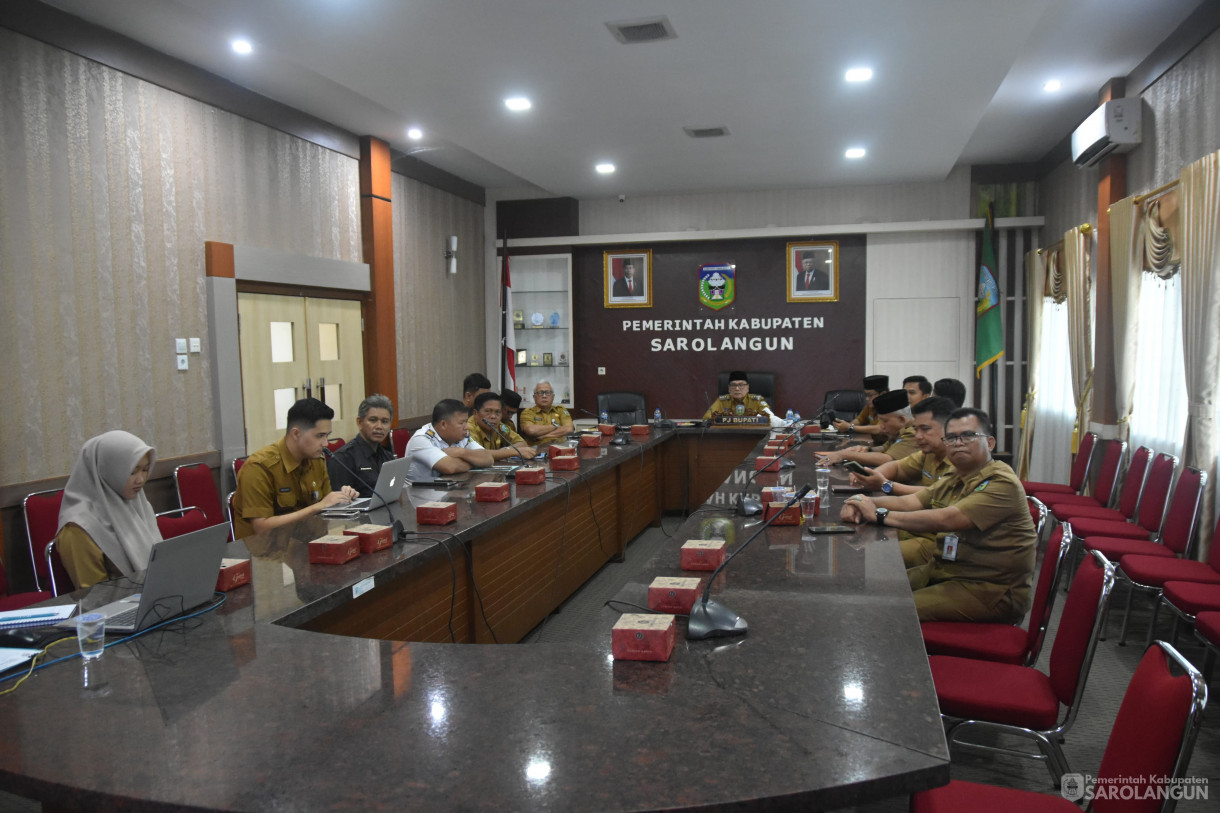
[1125, 231]
[1077, 244]
[1035, 294]
[1199, 195]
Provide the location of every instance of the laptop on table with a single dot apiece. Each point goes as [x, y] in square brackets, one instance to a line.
[390, 482]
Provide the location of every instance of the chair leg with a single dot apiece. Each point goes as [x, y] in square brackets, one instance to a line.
[1122, 636]
[1156, 610]
[1209, 662]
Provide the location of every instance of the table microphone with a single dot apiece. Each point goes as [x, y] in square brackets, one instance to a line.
[749, 506]
[619, 440]
[711, 619]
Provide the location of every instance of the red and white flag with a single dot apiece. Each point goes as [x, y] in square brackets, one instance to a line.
[510, 336]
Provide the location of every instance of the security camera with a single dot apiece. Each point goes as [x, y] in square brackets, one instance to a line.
[622, 198]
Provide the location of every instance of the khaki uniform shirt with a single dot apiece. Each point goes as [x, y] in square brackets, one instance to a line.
[903, 445]
[867, 417]
[492, 440]
[751, 405]
[920, 468]
[271, 484]
[1002, 546]
[82, 558]
[555, 416]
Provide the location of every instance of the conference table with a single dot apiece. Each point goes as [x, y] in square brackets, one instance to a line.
[378, 684]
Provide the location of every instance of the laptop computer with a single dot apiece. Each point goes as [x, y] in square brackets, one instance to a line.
[181, 575]
[390, 482]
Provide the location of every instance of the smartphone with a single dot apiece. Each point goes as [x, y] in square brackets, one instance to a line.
[831, 529]
[856, 468]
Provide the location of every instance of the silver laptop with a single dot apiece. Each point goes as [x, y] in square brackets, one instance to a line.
[390, 482]
[181, 575]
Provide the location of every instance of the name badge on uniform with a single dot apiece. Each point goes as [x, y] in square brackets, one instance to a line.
[950, 550]
[285, 490]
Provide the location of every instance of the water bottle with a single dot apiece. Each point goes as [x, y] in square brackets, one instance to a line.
[788, 417]
[796, 415]
[656, 415]
[605, 416]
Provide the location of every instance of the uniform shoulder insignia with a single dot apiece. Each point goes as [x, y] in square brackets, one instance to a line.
[723, 398]
[983, 484]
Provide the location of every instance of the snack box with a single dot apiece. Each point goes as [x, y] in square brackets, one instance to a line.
[491, 492]
[774, 448]
[233, 573]
[673, 594]
[702, 554]
[787, 516]
[591, 439]
[568, 462]
[333, 549]
[766, 463]
[436, 513]
[562, 451]
[372, 538]
[607, 428]
[811, 429]
[530, 475]
[643, 637]
[641, 429]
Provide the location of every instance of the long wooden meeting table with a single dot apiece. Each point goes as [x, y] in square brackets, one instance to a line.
[376, 685]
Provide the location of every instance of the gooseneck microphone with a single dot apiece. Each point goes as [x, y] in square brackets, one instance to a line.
[827, 409]
[504, 437]
[711, 619]
[749, 506]
[329, 455]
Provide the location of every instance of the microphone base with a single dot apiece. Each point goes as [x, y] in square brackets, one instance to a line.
[711, 619]
[749, 507]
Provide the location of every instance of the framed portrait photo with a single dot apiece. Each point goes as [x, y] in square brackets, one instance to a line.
[627, 279]
[813, 272]
[523, 357]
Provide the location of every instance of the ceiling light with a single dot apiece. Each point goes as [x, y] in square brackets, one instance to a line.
[1052, 85]
[243, 47]
[854, 152]
[415, 134]
[859, 74]
[518, 103]
[605, 169]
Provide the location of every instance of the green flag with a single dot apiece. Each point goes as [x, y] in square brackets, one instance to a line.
[988, 331]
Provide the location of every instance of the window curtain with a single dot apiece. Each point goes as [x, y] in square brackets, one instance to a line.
[1125, 287]
[1199, 196]
[1159, 403]
[1054, 411]
[1035, 286]
[1077, 278]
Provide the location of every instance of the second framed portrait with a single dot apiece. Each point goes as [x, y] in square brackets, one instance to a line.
[813, 272]
[627, 279]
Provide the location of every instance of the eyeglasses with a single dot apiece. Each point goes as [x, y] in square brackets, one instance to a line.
[544, 392]
[963, 438]
[737, 385]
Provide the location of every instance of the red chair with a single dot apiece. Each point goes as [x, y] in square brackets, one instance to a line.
[1004, 643]
[335, 444]
[229, 503]
[398, 439]
[238, 462]
[1079, 474]
[181, 521]
[1103, 489]
[1128, 496]
[1188, 602]
[41, 510]
[1020, 700]
[16, 601]
[1207, 630]
[1155, 573]
[197, 489]
[1152, 736]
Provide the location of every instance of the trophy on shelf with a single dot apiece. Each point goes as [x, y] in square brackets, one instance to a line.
[555, 319]
[533, 359]
[563, 359]
[548, 360]
[536, 319]
[518, 320]
[523, 357]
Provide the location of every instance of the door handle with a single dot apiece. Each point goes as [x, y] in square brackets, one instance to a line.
[322, 390]
[309, 388]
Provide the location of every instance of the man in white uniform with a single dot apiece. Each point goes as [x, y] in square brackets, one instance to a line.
[443, 447]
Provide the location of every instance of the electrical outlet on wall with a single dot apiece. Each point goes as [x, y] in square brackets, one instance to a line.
[601, 370]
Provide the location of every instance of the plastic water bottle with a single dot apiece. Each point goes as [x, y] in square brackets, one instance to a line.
[656, 415]
[788, 417]
[796, 415]
[605, 416]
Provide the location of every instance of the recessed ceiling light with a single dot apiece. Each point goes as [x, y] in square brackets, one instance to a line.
[854, 152]
[415, 134]
[1052, 85]
[859, 74]
[243, 46]
[605, 169]
[518, 103]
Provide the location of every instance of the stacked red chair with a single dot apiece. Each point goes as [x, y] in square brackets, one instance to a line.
[1077, 478]
[1103, 488]
[1187, 586]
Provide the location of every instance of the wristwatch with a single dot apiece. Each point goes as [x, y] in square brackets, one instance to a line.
[887, 487]
[882, 513]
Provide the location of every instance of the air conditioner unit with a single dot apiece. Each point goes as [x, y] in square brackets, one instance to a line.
[1113, 127]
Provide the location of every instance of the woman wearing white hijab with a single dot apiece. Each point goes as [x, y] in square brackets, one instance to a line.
[106, 525]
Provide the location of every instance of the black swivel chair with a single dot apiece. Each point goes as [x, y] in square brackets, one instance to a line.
[844, 404]
[624, 408]
[760, 384]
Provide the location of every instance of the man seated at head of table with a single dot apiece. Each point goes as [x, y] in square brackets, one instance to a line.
[287, 481]
[866, 422]
[358, 462]
[895, 420]
[739, 402]
[982, 560]
[920, 469]
[444, 446]
[487, 430]
[545, 422]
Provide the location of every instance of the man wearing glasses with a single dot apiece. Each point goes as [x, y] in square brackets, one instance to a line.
[544, 422]
[982, 565]
[739, 402]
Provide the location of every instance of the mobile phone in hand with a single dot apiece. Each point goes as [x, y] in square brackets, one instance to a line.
[856, 468]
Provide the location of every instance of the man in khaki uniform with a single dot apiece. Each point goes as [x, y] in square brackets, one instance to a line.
[866, 423]
[739, 402]
[895, 420]
[986, 545]
[481, 426]
[545, 423]
[287, 481]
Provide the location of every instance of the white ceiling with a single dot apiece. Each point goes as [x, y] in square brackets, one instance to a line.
[955, 81]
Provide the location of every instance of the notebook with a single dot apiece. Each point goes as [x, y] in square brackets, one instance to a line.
[181, 575]
[390, 482]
